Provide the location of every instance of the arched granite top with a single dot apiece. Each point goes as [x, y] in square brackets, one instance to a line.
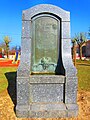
[44, 8]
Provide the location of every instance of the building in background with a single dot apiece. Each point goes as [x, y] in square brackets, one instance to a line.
[85, 51]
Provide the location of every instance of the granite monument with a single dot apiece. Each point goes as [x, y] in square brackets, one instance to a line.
[46, 77]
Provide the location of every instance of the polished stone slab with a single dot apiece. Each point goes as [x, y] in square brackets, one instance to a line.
[46, 76]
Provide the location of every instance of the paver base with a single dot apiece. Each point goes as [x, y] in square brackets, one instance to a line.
[47, 110]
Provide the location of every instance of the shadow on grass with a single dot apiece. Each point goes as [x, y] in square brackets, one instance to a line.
[11, 77]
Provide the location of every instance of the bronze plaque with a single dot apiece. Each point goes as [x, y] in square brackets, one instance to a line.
[45, 38]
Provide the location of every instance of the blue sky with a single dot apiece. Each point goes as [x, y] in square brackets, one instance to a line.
[11, 16]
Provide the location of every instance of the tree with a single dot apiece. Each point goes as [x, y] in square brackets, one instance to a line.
[2, 48]
[89, 32]
[2, 45]
[7, 41]
[74, 50]
[80, 39]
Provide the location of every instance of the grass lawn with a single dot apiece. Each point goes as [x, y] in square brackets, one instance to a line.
[83, 68]
[3, 79]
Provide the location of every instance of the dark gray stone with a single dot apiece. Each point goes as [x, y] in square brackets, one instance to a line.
[46, 93]
[47, 79]
[72, 110]
[56, 110]
[22, 111]
[50, 89]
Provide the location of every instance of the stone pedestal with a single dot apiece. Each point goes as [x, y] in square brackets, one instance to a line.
[46, 98]
[49, 88]
[57, 110]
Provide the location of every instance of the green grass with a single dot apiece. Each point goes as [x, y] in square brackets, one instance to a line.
[3, 79]
[83, 68]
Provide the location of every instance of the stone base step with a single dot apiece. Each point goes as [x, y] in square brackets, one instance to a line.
[47, 110]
